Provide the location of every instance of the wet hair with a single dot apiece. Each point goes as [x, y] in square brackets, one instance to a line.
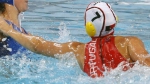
[2, 8]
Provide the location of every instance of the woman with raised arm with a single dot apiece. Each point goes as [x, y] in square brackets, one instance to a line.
[104, 52]
[9, 11]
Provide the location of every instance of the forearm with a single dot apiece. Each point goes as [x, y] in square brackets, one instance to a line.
[34, 43]
[28, 41]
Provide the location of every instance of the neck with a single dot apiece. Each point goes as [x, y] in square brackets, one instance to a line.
[93, 38]
[11, 14]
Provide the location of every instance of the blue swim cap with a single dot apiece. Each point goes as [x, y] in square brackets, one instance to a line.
[11, 2]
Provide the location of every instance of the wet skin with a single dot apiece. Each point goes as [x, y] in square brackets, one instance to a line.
[131, 48]
[11, 13]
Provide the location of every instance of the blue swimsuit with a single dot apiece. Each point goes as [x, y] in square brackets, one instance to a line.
[10, 46]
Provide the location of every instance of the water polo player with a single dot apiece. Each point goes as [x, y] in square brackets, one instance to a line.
[103, 53]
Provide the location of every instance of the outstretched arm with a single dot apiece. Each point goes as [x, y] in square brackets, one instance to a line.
[37, 44]
[138, 52]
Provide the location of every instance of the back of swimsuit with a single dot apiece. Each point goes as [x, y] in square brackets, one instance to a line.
[109, 56]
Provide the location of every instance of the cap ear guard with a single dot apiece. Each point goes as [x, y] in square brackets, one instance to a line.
[90, 29]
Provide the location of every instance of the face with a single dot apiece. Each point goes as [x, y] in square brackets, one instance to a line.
[21, 5]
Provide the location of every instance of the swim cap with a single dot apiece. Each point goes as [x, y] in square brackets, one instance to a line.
[100, 19]
[11, 2]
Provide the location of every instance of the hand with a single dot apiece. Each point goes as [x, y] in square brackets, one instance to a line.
[4, 26]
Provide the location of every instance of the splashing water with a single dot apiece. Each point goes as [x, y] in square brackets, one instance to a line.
[63, 33]
[38, 69]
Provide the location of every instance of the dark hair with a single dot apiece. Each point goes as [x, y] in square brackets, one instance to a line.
[2, 7]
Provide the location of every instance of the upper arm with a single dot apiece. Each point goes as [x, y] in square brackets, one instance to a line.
[137, 51]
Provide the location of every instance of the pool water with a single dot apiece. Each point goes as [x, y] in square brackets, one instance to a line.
[63, 21]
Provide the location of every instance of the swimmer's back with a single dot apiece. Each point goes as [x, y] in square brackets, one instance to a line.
[122, 43]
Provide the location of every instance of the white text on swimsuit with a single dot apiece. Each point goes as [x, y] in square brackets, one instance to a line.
[92, 63]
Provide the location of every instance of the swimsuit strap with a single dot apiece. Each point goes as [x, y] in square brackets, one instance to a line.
[22, 30]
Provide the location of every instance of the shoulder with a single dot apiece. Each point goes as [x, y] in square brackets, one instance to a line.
[75, 44]
[128, 39]
[133, 39]
[79, 50]
[76, 47]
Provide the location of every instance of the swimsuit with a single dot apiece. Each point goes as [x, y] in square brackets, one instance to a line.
[109, 57]
[8, 46]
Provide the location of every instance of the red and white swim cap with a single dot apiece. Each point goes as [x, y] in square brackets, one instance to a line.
[100, 19]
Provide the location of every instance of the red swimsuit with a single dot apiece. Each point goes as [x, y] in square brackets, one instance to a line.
[95, 61]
